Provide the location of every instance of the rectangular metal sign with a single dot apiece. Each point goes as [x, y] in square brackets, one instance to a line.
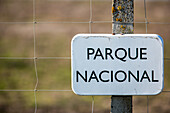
[105, 64]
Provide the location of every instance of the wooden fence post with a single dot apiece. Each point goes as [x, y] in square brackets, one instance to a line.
[123, 18]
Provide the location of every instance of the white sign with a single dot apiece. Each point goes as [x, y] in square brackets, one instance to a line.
[105, 64]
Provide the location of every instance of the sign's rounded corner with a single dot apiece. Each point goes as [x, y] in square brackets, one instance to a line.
[75, 37]
[160, 38]
[74, 91]
[160, 91]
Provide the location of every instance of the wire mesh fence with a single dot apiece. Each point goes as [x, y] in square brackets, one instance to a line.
[35, 53]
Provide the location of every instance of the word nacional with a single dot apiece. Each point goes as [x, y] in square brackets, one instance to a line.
[105, 64]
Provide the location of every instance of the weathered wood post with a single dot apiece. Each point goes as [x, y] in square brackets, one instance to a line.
[123, 18]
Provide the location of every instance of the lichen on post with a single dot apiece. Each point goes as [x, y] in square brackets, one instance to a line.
[123, 16]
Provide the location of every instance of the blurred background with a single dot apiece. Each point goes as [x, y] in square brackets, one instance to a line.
[57, 21]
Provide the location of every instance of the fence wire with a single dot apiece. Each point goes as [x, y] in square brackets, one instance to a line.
[90, 22]
[146, 25]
